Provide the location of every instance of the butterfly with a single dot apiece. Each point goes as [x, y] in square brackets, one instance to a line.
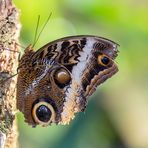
[55, 82]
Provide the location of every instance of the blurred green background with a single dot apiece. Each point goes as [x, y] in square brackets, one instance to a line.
[117, 114]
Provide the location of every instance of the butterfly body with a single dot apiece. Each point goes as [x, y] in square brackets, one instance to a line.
[55, 82]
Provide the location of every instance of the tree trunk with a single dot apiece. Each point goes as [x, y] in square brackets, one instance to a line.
[9, 33]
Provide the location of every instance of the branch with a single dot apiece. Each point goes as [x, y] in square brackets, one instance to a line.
[9, 33]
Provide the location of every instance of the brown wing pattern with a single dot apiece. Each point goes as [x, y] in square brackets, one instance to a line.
[62, 75]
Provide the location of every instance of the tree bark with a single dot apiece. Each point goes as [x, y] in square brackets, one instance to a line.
[9, 33]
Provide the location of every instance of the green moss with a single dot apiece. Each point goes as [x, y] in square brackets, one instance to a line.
[6, 123]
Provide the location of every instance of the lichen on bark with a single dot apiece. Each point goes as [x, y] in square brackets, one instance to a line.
[9, 33]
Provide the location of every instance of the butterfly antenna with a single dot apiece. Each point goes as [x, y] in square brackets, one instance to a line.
[42, 29]
[36, 30]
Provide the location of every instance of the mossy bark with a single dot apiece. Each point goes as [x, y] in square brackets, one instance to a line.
[9, 33]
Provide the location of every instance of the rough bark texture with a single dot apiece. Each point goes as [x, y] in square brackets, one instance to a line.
[9, 33]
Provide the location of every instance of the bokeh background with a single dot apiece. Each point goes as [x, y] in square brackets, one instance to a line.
[117, 113]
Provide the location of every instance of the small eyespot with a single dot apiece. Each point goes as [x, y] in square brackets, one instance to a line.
[43, 113]
[103, 60]
[62, 76]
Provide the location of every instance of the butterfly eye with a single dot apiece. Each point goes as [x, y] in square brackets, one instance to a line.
[62, 77]
[103, 60]
[43, 113]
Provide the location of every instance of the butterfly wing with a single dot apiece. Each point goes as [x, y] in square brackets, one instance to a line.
[79, 54]
[66, 50]
[88, 59]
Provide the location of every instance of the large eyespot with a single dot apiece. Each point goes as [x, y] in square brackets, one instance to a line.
[43, 113]
[62, 77]
[103, 60]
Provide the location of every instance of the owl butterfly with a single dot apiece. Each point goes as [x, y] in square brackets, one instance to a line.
[55, 82]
